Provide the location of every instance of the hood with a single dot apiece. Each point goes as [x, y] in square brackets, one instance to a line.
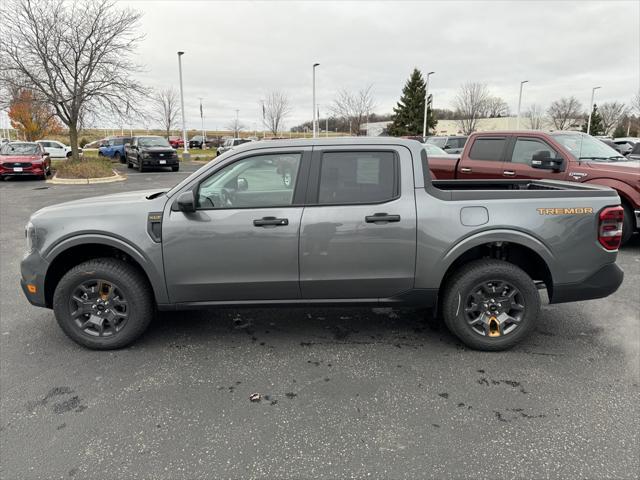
[21, 158]
[158, 149]
[105, 202]
[623, 168]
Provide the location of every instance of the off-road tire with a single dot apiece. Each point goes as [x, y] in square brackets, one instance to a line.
[136, 290]
[118, 157]
[460, 285]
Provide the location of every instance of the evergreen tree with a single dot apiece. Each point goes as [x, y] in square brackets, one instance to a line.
[408, 115]
[596, 123]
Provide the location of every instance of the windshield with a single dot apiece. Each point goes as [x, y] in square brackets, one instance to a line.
[585, 147]
[433, 150]
[438, 141]
[19, 149]
[153, 142]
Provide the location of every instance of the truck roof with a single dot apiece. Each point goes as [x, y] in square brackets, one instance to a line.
[310, 142]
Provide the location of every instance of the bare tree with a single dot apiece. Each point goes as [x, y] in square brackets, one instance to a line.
[166, 109]
[354, 108]
[496, 107]
[470, 104]
[635, 103]
[236, 126]
[276, 109]
[74, 54]
[611, 113]
[563, 111]
[535, 116]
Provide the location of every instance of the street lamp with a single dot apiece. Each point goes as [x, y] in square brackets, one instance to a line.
[593, 93]
[520, 104]
[314, 99]
[426, 106]
[185, 155]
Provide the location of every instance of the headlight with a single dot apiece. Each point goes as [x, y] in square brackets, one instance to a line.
[30, 236]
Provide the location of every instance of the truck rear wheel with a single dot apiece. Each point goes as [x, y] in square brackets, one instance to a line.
[490, 304]
[103, 304]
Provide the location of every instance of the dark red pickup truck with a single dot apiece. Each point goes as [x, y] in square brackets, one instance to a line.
[569, 156]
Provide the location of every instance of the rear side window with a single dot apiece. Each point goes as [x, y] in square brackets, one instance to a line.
[490, 149]
[358, 177]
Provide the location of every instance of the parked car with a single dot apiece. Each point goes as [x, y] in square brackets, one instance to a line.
[231, 143]
[176, 142]
[634, 154]
[114, 148]
[196, 142]
[24, 159]
[151, 151]
[562, 155]
[624, 145]
[434, 151]
[377, 230]
[57, 149]
[453, 144]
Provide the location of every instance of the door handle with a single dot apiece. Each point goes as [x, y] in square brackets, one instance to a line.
[270, 222]
[465, 170]
[509, 173]
[381, 218]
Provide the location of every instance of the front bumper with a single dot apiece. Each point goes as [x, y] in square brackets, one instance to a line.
[33, 269]
[156, 162]
[601, 284]
[33, 171]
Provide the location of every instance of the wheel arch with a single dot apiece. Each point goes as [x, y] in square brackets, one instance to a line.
[518, 248]
[76, 250]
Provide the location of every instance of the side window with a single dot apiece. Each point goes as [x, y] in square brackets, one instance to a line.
[253, 182]
[111, 143]
[525, 148]
[358, 177]
[45, 144]
[490, 149]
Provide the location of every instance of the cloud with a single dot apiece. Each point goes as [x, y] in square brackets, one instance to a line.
[236, 52]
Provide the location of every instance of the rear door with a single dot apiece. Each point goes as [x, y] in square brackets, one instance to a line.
[358, 230]
[520, 154]
[485, 158]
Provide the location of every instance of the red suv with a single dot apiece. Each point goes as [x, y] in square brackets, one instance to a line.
[24, 158]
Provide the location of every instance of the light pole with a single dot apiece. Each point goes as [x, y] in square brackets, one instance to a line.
[593, 93]
[314, 99]
[202, 123]
[236, 127]
[426, 106]
[520, 104]
[184, 129]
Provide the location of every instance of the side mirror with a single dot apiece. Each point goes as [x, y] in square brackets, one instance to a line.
[243, 184]
[543, 161]
[186, 202]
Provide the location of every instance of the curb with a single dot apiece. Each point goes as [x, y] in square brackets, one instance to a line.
[116, 177]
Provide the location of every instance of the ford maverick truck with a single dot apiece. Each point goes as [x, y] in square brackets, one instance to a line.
[564, 155]
[354, 222]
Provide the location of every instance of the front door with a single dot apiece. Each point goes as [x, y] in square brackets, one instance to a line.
[358, 232]
[518, 164]
[242, 241]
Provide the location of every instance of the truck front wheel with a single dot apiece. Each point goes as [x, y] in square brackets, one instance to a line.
[103, 304]
[490, 304]
[627, 224]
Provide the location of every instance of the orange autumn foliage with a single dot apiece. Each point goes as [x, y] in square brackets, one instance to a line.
[32, 118]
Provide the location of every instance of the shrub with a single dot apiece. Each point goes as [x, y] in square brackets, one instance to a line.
[83, 142]
[89, 168]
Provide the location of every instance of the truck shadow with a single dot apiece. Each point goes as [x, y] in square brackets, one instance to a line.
[306, 327]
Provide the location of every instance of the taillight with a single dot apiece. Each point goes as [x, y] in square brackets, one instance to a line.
[610, 227]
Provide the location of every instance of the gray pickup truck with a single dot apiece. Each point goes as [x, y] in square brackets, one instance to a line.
[357, 221]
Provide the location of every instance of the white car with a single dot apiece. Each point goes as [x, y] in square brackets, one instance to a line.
[56, 149]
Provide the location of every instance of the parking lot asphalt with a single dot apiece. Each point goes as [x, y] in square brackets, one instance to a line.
[346, 393]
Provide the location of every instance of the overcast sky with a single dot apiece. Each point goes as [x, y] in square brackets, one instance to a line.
[236, 52]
